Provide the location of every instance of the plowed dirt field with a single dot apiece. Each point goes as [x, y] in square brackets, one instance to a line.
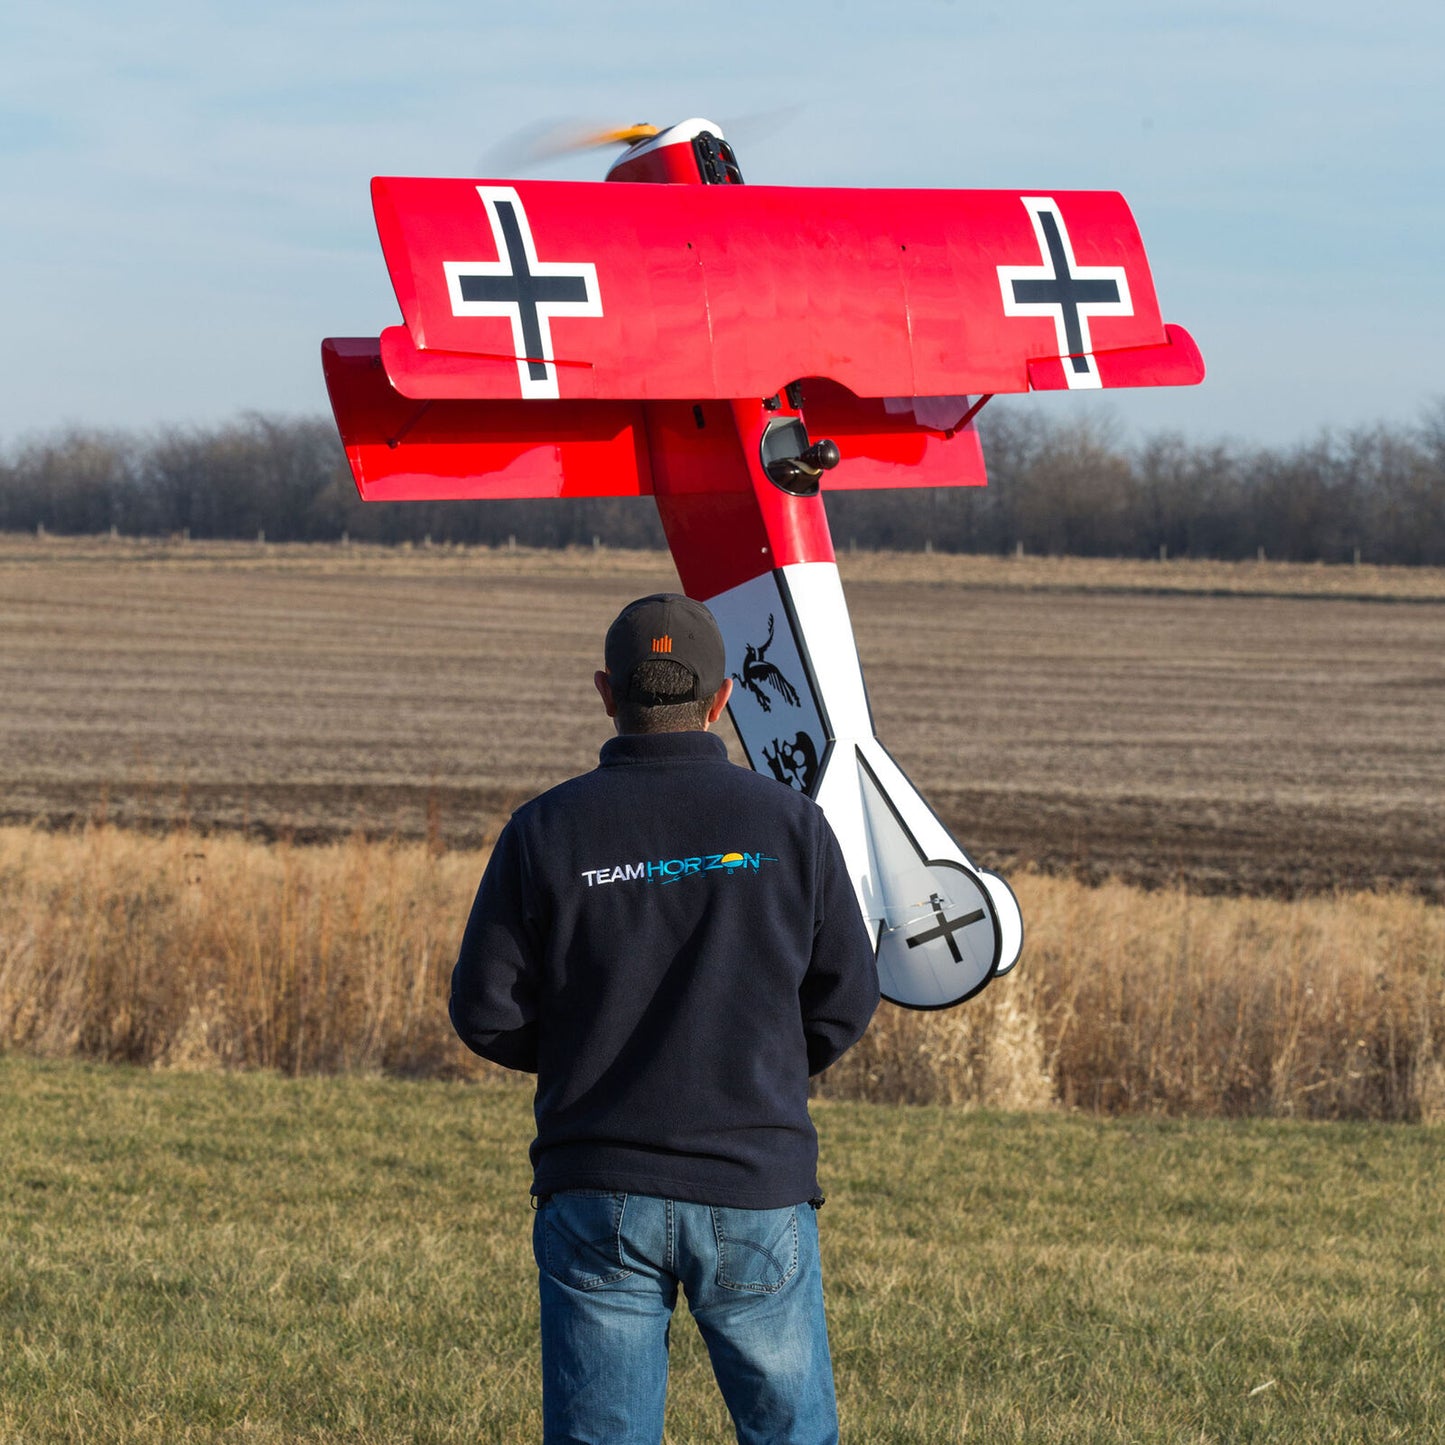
[1253, 728]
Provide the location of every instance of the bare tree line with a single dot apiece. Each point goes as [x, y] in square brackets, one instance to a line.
[1377, 494]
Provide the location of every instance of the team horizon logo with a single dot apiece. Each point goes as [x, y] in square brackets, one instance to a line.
[671, 870]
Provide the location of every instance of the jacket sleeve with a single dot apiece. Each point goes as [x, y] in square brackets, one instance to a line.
[494, 983]
[840, 990]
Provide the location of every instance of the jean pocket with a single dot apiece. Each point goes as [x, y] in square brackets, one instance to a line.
[582, 1239]
[757, 1249]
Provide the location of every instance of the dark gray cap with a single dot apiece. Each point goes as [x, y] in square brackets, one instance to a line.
[665, 627]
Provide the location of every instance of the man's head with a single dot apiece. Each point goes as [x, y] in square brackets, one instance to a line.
[666, 668]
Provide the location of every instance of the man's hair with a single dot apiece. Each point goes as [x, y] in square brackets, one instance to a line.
[663, 678]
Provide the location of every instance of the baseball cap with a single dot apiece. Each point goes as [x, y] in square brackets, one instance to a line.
[665, 627]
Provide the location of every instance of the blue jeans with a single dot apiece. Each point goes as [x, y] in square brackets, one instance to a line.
[609, 1266]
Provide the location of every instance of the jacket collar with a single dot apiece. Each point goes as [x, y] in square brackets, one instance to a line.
[696, 746]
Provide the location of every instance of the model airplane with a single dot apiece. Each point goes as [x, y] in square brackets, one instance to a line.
[727, 350]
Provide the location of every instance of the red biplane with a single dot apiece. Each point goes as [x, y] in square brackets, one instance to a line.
[730, 350]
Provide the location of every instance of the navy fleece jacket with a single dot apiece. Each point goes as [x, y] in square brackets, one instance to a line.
[673, 945]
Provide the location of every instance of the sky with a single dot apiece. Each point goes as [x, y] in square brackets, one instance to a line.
[186, 211]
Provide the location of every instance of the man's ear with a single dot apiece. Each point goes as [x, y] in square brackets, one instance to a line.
[719, 701]
[603, 684]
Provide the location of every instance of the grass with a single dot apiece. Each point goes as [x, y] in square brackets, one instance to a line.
[250, 1258]
[221, 953]
[1164, 1002]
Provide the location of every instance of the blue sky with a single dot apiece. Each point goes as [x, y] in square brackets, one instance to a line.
[185, 185]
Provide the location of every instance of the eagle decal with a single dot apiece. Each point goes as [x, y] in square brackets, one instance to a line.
[757, 671]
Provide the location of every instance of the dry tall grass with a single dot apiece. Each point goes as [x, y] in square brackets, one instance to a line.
[214, 952]
[200, 952]
[1165, 1002]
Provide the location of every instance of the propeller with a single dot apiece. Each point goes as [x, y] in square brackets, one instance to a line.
[550, 140]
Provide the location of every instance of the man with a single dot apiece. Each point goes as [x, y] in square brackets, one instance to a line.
[673, 945]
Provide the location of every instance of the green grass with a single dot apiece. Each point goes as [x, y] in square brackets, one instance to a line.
[207, 1257]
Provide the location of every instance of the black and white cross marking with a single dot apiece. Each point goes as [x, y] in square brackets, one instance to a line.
[528, 292]
[946, 927]
[1065, 291]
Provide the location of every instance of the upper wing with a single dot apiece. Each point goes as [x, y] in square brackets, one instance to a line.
[542, 317]
[582, 290]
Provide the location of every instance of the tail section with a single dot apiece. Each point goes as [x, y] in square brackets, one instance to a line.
[943, 926]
